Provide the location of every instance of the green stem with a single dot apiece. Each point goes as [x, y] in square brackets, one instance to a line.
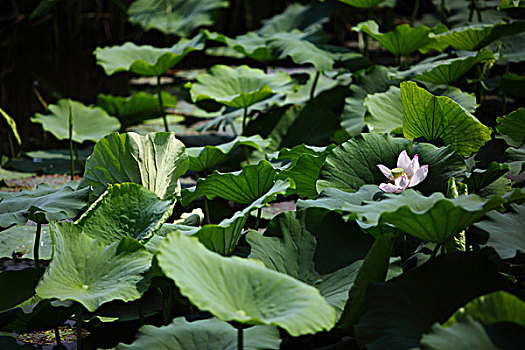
[443, 14]
[244, 119]
[57, 338]
[170, 303]
[77, 158]
[79, 326]
[11, 145]
[207, 210]
[414, 13]
[161, 105]
[240, 339]
[366, 51]
[247, 155]
[71, 159]
[36, 246]
[435, 251]
[314, 85]
[258, 220]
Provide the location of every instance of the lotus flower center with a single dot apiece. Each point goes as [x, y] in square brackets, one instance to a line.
[397, 172]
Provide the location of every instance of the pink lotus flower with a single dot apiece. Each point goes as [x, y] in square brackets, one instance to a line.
[407, 174]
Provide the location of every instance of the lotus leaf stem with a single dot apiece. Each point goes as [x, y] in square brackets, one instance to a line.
[244, 119]
[257, 222]
[240, 338]
[36, 246]
[435, 251]
[414, 13]
[11, 145]
[161, 105]
[57, 338]
[79, 326]
[314, 85]
[207, 210]
[140, 312]
[71, 158]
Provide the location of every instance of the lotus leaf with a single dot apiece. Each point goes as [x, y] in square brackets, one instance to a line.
[354, 163]
[261, 296]
[136, 108]
[91, 272]
[125, 210]
[333, 198]
[45, 204]
[512, 127]
[363, 3]
[12, 124]
[238, 87]
[205, 334]
[241, 187]
[203, 159]
[39, 315]
[403, 40]
[179, 17]
[401, 310]
[439, 117]
[155, 161]
[506, 231]
[250, 45]
[476, 36]
[21, 284]
[89, 123]
[510, 4]
[477, 179]
[19, 241]
[145, 60]
[433, 218]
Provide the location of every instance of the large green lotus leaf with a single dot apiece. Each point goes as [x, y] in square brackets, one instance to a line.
[386, 108]
[477, 179]
[506, 231]
[512, 127]
[125, 210]
[401, 310]
[304, 172]
[145, 59]
[179, 17]
[476, 36]
[12, 124]
[19, 241]
[492, 308]
[439, 117]
[516, 159]
[155, 161]
[38, 315]
[513, 84]
[306, 18]
[446, 71]
[354, 163]
[301, 51]
[251, 45]
[206, 334]
[302, 93]
[18, 286]
[136, 108]
[204, 159]
[241, 187]
[238, 87]
[91, 272]
[290, 245]
[333, 198]
[235, 289]
[402, 41]
[89, 123]
[42, 205]
[510, 4]
[363, 3]
[467, 334]
[435, 218]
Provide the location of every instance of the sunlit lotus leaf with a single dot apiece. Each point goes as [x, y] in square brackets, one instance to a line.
[89, 123]
[301, 51]
[435, 218]
[205, 334]
[354, 163]
[155, 161]
[204, 159]
[145, 59]
[86, 270]
[363, 3]
[135, 108]
[333, 198]
[179, 17]
[401, 310]
[510, 4]
[262, 296]
[238, 87]
[439, 117]
[42, 205]
[506, 231]
[241, 187]
[512, 127]
[125, 210]
[476, 36]
[251, 45]
[402, 41]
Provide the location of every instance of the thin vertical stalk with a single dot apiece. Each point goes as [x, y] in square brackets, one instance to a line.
[240, 338]
[244, 119]
[57, 338]
[11, 145]
[207, 210]
[79, 326]
[435, 251]
[414, 13]
[161, 105]
[247, 155]
[258, 220]
[36, 246]
[443, 14]
[71, 158]
[314, 85]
